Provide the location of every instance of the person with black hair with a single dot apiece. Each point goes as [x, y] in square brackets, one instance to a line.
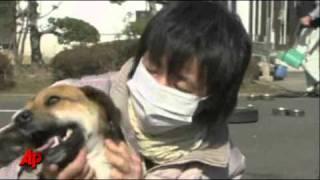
[175, 97]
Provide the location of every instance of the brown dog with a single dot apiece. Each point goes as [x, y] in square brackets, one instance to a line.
[60, 120]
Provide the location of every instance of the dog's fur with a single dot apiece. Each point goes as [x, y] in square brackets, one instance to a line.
[58, 107]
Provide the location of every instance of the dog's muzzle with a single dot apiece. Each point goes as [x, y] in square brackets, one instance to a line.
[59, 142]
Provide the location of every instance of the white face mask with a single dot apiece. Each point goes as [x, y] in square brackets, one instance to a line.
[158, 107]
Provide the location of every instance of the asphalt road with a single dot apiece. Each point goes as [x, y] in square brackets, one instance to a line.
[275, 147]
[9, 103]
[279, 147]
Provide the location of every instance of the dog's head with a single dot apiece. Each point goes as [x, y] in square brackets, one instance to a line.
[71, 114]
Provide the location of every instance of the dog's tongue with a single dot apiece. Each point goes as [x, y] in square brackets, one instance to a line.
[52, 142]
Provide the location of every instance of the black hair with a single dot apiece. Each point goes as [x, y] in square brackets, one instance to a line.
[208, 32]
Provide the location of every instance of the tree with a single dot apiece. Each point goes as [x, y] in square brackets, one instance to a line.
[134, 30]
[66, 29]
[73, 30]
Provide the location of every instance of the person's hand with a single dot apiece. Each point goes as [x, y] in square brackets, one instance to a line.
[306, 20]
[77, 169]
[124, 164]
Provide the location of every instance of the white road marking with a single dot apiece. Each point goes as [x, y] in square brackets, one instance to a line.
[8, 110]
[8, 126]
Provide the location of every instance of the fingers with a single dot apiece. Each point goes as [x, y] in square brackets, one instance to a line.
[84, 171]
[136, 158]
[75, 167]
[116, 174]
[125, 164]
[119, 149]
[91, 174]
[137, 166]
[87, 173]
[118, 156]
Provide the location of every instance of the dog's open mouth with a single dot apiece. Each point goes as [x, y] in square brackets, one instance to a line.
[53, 135]
[46, 139]
[59, 143]
[55, 140]
[62, 146]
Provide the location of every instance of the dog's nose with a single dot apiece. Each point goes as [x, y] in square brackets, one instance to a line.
[24, 117]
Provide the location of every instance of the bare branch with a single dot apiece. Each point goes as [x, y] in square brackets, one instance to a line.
[54, 7]
[119, 2]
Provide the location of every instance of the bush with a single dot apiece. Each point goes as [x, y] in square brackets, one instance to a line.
[123, 51]
[100, 58]
[6, 72]
[79, 61]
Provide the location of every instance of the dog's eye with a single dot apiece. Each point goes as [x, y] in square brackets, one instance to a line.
[52, 100]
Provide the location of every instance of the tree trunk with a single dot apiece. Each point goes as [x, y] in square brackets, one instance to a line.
[22, 41]
[17, 45]
[35, 35]
[15, 49]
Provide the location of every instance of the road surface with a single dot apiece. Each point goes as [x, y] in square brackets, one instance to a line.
[275, 147]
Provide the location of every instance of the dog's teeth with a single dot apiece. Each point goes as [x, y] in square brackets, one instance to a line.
[64, 138]
[68, 134]
[56, 141]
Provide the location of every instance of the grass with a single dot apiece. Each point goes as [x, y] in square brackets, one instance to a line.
[29, 81]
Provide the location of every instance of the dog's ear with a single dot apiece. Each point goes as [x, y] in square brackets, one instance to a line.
[112, 126]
